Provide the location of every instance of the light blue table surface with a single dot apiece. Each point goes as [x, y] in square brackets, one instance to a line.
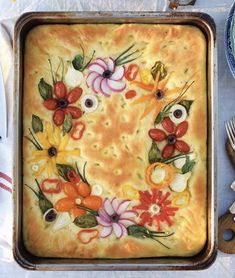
[225, 264]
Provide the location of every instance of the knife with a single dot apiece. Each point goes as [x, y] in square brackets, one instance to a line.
[3, 110]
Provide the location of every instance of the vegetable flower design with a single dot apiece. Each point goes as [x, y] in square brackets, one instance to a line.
[155, 207]
[115, 218]
[105, 77]
[61, 103]
[158, 97]
[172, 138]
[51, 149]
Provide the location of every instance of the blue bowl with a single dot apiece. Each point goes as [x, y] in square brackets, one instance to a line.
[229, 40]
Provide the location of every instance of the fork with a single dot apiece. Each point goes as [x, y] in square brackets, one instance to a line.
[230, 128]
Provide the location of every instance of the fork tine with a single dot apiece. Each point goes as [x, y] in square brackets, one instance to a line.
[232, 127]
[228, 133]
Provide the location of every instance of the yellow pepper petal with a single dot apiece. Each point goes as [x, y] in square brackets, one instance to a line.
[49, 168]
[64, 142]
[49, 131]
[68, 153]
[40, 170]
[43, 140]
[57, 135]
[60, 160]
[181, 200]
[40, 153]
[146, 76]
[37, 159]
[130, 192]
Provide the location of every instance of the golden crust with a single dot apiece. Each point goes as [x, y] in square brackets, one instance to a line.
[115, 143]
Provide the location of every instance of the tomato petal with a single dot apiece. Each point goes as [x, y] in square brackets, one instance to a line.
[74, 111]
[58, 117]
[74, 95]
[181, 129]
[168, 125]
[168, 151]
[182, 147]
[157, 134]
[60, 90]
[51, 104]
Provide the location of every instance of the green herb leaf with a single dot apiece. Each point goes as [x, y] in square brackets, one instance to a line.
[45, 89]
[159, 67]
[154, 153]
[85, 221]
[63, 170]
[188, 166]
[137, 231]
[37, 124]
[44, 204]
[67, 125]
[187, 104]
[78, 62]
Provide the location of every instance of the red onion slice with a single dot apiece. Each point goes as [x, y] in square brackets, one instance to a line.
[106, 231]
[101, 62]
[124, 230]
[117, 230]
[118, 74]
[128, 214]
[108, 207]
[102, 222]
[126, 222]
[96, 84]
[102, 214]
[96, 67]
[122, 206]
[115, 204]
[105, 90]
[116, 86]
[91, 77]
[111, 64]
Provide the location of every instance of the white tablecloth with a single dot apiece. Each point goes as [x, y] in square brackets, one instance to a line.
[225, 264]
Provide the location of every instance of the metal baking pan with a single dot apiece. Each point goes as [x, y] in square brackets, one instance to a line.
[202, 260]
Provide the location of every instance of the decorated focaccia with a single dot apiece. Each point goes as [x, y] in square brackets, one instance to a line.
[115, 141]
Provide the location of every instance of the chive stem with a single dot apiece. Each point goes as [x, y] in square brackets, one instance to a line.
[35, 140]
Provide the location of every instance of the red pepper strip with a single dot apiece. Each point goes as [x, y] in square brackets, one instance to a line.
[84, 240]
[46, 186]
[132, 72]
[73, 176]
[77, 130]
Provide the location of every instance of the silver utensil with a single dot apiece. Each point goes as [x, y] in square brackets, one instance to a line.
[230, 128]
[3, 109]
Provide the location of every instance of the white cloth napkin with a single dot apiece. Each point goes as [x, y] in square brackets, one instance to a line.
[6, 210]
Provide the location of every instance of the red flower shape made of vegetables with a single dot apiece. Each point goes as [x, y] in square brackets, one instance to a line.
[156, 208]
[61, 101]
[172, 138]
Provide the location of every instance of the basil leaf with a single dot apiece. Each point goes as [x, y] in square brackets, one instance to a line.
[159, 67]
[137, 231]
[78, 62]
[45, 89]
[67, 125]
[44, 203]
[63, 170]
[154, 153]
[188, 166]
[85, 221]
[187, 104]
[37, 124]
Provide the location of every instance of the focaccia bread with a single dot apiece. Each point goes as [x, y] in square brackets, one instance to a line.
[115, 141]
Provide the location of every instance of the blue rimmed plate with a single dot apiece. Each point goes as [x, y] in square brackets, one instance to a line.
[229, 40]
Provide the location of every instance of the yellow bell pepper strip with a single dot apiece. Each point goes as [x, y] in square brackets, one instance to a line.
[165, 180]
[181, 200]
[130, 192]
[146, 76]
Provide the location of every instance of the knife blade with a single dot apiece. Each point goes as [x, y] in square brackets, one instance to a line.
[3, 109]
